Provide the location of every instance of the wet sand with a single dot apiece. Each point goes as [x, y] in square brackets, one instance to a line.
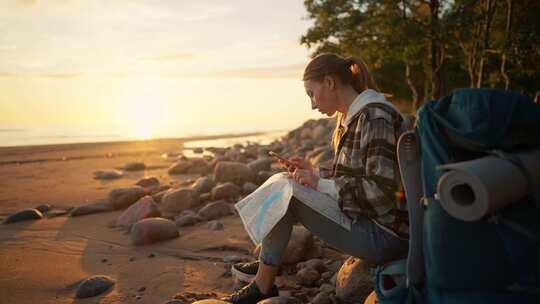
[43, 261]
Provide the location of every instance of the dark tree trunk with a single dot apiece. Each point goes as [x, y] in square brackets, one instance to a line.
[437, 54]
[410, 83]
[508, 29]
[490, 9]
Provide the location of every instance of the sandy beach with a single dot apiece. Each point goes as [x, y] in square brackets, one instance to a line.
[44, 261]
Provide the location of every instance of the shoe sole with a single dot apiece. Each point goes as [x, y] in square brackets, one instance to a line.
[241, 276]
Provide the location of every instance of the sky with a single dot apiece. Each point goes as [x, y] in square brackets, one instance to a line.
[153, 68]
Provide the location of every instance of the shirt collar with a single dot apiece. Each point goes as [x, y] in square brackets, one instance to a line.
[361, 100]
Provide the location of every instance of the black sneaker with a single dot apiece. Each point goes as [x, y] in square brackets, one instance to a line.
[250, 294]
[246, 271]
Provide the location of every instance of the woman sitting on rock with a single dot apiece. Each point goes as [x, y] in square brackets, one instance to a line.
[364, 178]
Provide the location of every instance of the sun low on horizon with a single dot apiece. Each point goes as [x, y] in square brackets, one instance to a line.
[145, 69]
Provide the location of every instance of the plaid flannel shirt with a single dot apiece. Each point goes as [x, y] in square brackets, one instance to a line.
[365, 168]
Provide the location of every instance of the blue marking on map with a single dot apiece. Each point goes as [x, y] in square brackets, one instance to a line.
[265, 205]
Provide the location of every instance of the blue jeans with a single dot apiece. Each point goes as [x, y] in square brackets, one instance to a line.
[366, 239]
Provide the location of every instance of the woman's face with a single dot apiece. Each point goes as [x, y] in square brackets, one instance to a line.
[321, 95]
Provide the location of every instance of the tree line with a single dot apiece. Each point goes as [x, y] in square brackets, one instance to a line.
[422, 49]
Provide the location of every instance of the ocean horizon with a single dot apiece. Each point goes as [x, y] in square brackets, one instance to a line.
[16, 137]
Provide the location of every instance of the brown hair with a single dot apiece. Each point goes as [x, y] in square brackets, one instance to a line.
[350, 70]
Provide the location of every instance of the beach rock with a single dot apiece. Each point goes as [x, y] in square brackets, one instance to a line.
[320, 132]
[262, 176]
[187, 220]
[326, 276]
[203, 184]
[96, 207]
[205, 197]
[108, 174]
[122, 198]
[199, 166]
[23, 215]
[248, 187]
[152, 230]
[316, 264]
[215, 210]
[353, 282]
[94, 286]
[225, 191]
[299, 244]
[210, 302]
[56, 212]
[261, 164]
[180, 167]
[134, 166]
[178, 200]
[215, 225]
[148, 182]
[158, 197]
[327, 288]
[143, 208]
[308, 276]
[306, 133]
[280, 300]
[43, 208]
[234, 172]
[198, 150]
[321, 298]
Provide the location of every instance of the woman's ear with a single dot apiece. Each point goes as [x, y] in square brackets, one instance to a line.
[330, 82]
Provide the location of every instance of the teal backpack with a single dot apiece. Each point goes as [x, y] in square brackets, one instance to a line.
[495, 259]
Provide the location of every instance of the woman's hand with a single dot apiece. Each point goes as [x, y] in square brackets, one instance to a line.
[305, 177]
[301, 163]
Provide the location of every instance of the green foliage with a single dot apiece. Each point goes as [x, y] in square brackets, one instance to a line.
[480, 43]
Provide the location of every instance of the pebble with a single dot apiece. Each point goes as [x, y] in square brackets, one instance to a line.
[94, 286]
[215, 225]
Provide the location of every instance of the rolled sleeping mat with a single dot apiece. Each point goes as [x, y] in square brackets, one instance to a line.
[472, 189]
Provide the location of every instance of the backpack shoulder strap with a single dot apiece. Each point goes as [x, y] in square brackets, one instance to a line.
[409, 159]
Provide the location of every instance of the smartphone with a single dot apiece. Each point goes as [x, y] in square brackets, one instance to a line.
[283, 159]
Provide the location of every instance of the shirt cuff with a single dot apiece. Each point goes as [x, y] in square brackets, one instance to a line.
[329, 187]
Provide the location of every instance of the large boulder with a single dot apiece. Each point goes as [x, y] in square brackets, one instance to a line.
[225, 191]
[122, 198]
[353, 281]
[234, 172]
[190, 166]
[23, 215]
[96, 207]
[215, 210]
[299, 245]
[203, 184]
[180, 167]
[199, 166]
[248, 187]
[261, 164]
[143, 208]
[178, 200]
[152, 230]
[94, 286]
